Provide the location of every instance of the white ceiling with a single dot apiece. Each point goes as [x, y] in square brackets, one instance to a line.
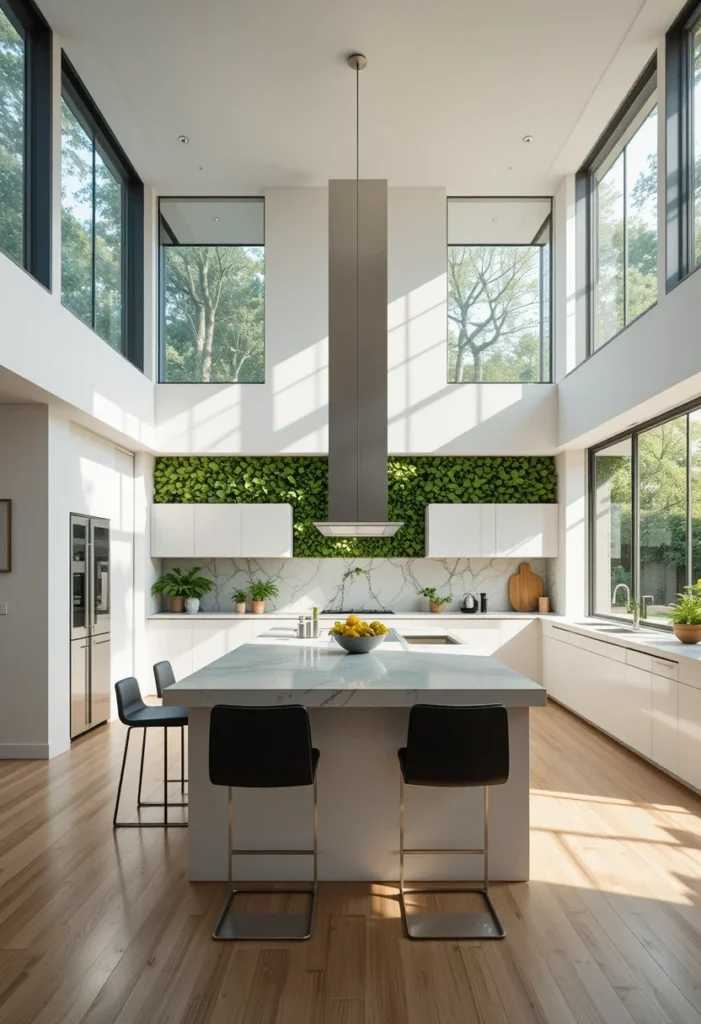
[452, 86]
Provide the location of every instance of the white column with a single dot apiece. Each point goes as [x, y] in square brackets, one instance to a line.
[571, 567]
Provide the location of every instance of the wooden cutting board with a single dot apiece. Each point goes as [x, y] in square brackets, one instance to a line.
[524, 589]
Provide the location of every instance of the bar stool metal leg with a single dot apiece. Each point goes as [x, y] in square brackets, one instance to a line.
[268, 927]
[181, 781]
[146, 803]
[430, 925]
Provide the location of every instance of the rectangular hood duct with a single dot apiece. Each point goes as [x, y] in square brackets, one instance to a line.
[358, 360]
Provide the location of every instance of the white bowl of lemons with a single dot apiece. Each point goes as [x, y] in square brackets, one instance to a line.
[356, 636]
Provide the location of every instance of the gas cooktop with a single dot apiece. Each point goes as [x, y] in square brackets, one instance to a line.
[356, 611]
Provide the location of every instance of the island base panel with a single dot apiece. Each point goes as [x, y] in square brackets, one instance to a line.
[358, 810]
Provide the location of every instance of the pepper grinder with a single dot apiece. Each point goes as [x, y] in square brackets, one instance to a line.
[483, 603]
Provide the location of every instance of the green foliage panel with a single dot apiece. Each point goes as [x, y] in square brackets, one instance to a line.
[302, 480]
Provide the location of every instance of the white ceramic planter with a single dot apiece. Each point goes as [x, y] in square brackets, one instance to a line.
[241, 608]
[192, 605]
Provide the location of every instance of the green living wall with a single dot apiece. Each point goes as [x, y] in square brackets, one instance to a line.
[302, 480]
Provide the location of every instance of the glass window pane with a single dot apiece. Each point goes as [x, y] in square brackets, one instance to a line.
[76, 216]
[613, 519]
[663, 502]
[108, 254]
[641, 218]
[494, 313]
[695, 469]
[214, 313]
[12, 100]
[609, 312]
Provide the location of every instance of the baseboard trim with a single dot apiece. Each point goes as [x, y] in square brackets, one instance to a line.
[24, 751]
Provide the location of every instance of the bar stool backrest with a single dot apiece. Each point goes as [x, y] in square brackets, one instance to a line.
[457, 746]
[163, 674]
[128, 699]
[260, 747]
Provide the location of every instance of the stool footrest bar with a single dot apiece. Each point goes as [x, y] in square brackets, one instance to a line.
[431, 852]
[283, 853]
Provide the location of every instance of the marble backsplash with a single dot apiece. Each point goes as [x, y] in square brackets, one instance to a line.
[362, 583]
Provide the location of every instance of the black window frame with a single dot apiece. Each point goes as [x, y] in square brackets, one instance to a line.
[585, 185]
[680, 163]
[84, 108]
[548, 222]
[162, 225]
[38, 117]
[633, 434]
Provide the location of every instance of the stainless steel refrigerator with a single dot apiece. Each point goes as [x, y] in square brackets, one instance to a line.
[90, 623]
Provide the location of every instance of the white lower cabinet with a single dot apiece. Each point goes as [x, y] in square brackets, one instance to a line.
[690, 734]
[634, 724]
[665, 723]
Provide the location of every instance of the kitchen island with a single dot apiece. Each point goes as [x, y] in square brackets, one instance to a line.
[359, 710]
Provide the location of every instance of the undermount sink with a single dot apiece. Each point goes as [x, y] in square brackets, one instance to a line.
[609, 627]
[433, 639]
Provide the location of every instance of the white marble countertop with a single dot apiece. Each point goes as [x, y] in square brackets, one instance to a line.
[332, 616]
[278, 668]
[646, 640]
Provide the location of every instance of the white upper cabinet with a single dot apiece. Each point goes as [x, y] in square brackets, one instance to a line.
[266, 531]
[221, 531]
[527, 531]
[491, 531]
[460, 531]
[173, 531]
[218, 531]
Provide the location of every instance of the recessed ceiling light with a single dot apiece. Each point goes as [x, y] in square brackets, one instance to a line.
[527, 138]
[183, 139]
[494, 220]
[215, 219]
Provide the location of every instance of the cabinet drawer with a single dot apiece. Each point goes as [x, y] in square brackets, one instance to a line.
[666, 668]
[611, 651]
[638, 660]
[567, 636]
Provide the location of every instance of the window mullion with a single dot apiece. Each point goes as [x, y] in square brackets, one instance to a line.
[93, 275]
[625, 236]
[689, 522]
[635, 520]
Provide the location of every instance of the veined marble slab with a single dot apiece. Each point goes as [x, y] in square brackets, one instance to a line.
[278, 668]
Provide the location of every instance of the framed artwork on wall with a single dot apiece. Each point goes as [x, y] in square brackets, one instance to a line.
[5, 534]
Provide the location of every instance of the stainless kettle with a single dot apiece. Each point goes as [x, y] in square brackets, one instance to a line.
[470, 604]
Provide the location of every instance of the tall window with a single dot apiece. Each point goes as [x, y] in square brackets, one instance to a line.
[694, 170]
[646, 517]
[25, 137]
[212, 291]
[101, 224]
[499, 290]
[623, 202]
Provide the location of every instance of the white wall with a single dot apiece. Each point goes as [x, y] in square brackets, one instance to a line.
[24, 635]
[289, 413]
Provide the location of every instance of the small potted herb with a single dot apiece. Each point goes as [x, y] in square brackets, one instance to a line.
[185, 589]
[685, 615]
[240, 597]
[261, 591]
[634, 610]
[436, 603]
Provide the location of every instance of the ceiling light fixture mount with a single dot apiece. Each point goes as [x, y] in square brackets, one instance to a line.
[527, 139]
[357, 61]
[183, 140]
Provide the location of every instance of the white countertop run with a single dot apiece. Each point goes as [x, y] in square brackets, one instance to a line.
[278, 668]
[433, 617]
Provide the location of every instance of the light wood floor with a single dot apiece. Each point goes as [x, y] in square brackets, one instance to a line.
[99, 928]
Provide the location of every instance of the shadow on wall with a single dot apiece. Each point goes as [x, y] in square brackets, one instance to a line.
[289, 413]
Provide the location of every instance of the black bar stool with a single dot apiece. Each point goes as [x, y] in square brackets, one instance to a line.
[137, 715]
[453, 746]
[165, 677]
[263, 748]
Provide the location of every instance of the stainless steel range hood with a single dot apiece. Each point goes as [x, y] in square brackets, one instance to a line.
[358, 359]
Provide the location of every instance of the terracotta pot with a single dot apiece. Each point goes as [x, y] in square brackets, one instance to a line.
[177, 604]
[433, 607]
[687, 634]
[258, 607]
[241, 607]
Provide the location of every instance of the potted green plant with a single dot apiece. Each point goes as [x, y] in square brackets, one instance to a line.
[183, 588]
[436, 603]
[240, 597]
[634, 610]
[261, 591]
[685, 615]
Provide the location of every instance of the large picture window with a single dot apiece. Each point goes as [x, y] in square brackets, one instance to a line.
[101, 225]
[645, 503]
[622, 181]
[25, 137]
[212, 291]
[499, 290]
